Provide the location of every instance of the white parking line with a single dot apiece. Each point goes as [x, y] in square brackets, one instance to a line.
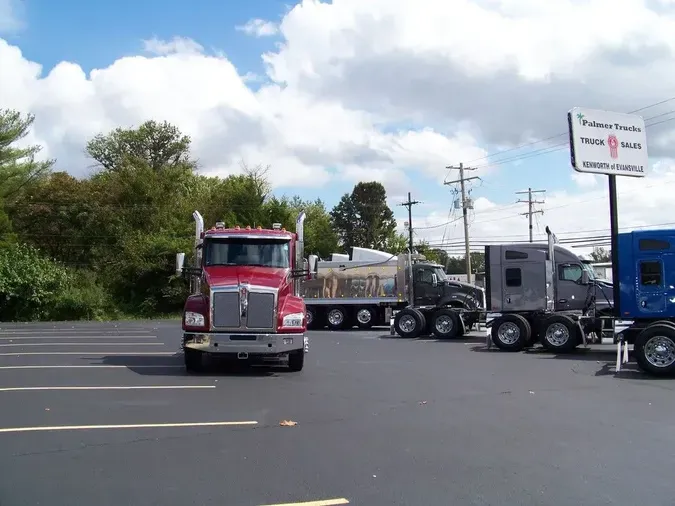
[88, 354]
[130, 426]
[102, 366]
[325, 502]
[79, 344]
[135, 387]
[12, 338]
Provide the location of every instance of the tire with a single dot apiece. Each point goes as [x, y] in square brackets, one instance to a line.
[445, 324]
[193, 360]
[365, 317]
[312, 316]
[511, 332]
[559, 334]
[336, 318]
[296, 360]
[654, 349]
[409, 323]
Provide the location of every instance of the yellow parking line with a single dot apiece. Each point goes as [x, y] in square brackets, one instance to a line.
[135, 387]
[129, 426]
[88, 354]
[325, 502]
[100, 366]
[79, 344]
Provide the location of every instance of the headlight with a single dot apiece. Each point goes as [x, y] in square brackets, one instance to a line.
[194, 319]
[293, 320]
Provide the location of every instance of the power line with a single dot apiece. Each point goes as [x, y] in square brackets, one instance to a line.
[533, 143]
[465, 206]
[409, 205]
[530, 205]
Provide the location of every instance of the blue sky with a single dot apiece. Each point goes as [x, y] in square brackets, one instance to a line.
[95, 34]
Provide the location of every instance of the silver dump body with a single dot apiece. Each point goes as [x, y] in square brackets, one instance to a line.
[356, 282]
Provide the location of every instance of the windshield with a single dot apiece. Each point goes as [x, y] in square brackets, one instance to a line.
[590, 270]
[440, 274]
[259, 252]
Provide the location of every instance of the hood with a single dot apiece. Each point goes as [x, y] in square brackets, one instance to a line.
[465, 285]
[228, 275]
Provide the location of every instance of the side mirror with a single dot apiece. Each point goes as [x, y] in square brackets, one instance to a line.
[434, 280]
[584, 278]
[180, 260]
[313, 270]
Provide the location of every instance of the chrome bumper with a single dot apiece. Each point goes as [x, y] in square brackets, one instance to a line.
[255, 344]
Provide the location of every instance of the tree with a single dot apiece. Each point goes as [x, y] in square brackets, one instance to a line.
[363, 218]
[18, 167]
[600, 254]
[457, 265]
[159, 145]
[396, 243]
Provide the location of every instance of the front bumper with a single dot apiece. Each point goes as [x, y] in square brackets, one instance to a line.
[254, 344]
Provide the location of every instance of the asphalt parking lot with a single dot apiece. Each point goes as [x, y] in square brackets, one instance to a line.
[104, 414]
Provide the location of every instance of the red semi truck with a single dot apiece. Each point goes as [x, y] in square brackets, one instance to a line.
[244, 301]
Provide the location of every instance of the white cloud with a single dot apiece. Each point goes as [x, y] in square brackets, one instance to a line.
[176, 45]
[385, 88]
[11, 14]
[259, 28]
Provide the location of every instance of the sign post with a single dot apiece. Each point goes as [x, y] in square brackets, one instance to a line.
[614, 144]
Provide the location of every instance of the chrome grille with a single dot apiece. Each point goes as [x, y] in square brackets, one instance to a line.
[226, 310]
[260, 313]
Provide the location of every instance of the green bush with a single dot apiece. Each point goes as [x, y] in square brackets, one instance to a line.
[83, 299]
[29, 283]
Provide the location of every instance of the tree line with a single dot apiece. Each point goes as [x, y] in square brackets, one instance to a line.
[103, 246]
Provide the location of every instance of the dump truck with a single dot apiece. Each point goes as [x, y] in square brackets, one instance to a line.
[368, 288]
[244, 302]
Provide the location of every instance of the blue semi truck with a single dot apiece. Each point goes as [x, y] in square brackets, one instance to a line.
[546, 293]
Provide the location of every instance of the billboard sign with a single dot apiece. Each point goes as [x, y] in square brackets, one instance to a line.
[611, 143]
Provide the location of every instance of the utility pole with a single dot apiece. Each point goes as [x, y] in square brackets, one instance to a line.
[409, 205]
[530, 205]
[461, 181]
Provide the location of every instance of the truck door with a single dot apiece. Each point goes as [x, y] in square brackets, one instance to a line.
[571, 294]
[651, 291]
[423, 280]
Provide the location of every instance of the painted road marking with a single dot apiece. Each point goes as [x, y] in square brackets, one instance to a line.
[79, 344]
[325, 502]
[130, 426]
[135, 387]
[88, 354]
[102, 366]
[12, 338]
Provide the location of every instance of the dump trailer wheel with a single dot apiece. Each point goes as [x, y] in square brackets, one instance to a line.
[559, 333]
[408, 323]
[313, 318]
[296, 360]
[445, 324]
[336, 318]
[654, 349]
[365, 317]
[193, 360]
[511, 332]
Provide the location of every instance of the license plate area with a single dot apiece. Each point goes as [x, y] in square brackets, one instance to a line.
[244, 337]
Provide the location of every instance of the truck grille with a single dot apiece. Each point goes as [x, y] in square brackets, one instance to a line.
[261, 312]
[226, 311]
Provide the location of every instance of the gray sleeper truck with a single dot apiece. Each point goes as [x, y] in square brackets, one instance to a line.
[540, 292]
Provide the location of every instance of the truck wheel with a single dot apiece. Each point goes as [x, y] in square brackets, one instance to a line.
[193, 360]
[296, 360]
[559, 333]
[510, 332]
[654, 350]
[365, 317]
[337, 318]
[445, 324]
[312, 318]
[408, 323]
